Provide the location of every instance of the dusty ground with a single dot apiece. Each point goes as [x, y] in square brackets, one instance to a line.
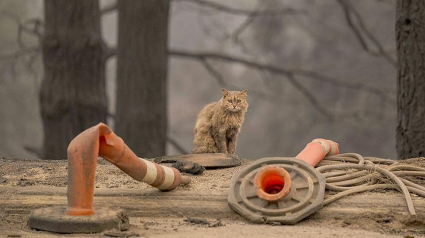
[30, 184]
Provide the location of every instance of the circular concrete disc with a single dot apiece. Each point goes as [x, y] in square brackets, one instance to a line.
[305, 197]
[54, 219]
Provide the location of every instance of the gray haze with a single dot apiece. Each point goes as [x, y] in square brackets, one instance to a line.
[281, 119]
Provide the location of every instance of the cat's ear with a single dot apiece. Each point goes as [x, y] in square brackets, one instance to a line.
[225, 92]
[244, 92]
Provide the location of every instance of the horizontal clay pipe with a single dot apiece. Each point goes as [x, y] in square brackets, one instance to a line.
[100, 140]
[317, 150]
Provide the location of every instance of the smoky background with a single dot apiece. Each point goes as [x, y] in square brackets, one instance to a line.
[313, 69]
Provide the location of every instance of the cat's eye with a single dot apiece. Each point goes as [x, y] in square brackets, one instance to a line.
[239, 100]
[230, 100]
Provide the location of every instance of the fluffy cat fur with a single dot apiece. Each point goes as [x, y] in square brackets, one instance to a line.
[219, 123]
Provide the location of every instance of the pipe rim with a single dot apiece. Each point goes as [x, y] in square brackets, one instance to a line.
[272, 170]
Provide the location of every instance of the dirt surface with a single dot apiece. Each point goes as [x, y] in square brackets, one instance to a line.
[29, 184]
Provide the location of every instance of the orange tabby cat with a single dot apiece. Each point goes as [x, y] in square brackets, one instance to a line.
[218, 123]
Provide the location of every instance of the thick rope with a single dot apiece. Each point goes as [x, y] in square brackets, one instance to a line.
[352, 173]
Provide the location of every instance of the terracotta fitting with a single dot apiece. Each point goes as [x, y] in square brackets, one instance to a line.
[100, 140]
[272, 183]
[317, 150]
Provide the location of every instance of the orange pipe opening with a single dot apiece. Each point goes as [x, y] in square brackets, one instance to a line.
[272, 183]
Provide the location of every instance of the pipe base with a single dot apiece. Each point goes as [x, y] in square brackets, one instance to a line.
[54, 219]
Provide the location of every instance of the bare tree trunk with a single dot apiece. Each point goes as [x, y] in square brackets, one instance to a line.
[141, 113]
[72, 96]
[410, 30]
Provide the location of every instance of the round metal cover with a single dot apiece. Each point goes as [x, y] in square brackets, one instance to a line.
[305, 197]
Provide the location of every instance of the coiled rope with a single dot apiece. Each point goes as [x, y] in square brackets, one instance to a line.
[352, 173]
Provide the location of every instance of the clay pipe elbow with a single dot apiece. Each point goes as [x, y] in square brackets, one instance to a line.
[83, 152]
[317, 150]
[113, 149]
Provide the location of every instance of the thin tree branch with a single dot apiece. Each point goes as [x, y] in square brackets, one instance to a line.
[348, 10]
[221, 81]
[350, 23]
[371, 36]
[34, 27]
[304, 91]
[235, 35]
[23, 27]
[20, 53]
[356, 86]
[37, 27]
[213, 72]
[310, 96]
[288, 73]
[236, 11]
[242, 27]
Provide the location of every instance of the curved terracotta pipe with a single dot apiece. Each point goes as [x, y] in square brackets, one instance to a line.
[274, 182]
[317, 150]
[100, 140]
